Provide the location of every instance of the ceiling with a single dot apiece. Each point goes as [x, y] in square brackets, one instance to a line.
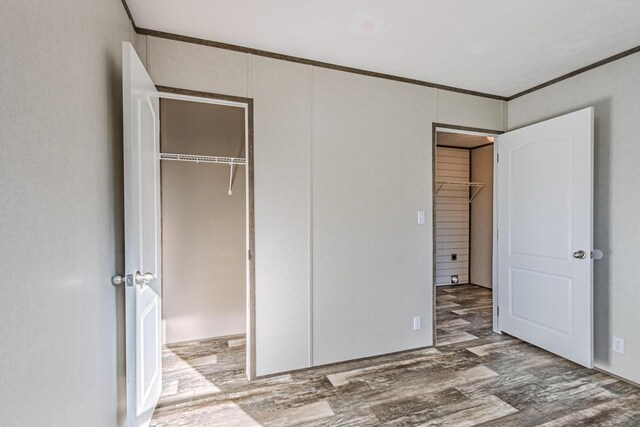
[449, 139]
[500, 47]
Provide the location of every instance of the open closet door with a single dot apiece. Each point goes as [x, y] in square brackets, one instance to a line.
[544, 210]
[142, 240]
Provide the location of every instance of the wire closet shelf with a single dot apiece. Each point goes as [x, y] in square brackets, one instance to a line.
[231, 161]
[203, 159]
[475, 187]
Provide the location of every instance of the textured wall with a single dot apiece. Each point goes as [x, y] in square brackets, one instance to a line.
[282, 123]
[371, 174]
[61, 358]
[613, 92]
[296, 113]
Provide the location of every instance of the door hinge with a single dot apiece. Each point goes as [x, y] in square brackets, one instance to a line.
[498, 158]
[498, 311]
[249, 254]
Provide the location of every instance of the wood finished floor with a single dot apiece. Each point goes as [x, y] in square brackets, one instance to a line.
[474, 377]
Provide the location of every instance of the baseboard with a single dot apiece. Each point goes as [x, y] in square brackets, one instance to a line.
[618, 377]
[482, 286]
[344, 362]
[453, 284]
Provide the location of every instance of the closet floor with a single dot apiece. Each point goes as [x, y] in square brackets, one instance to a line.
[473, 377]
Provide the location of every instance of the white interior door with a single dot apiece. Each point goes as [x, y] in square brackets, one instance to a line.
[544, 219]
[142, 240]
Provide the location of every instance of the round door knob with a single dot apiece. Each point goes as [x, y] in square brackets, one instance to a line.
[143, 279]
[580, 254]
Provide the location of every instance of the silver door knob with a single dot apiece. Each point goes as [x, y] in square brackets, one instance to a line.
[580, 254]
[118, 279]
[143, 279]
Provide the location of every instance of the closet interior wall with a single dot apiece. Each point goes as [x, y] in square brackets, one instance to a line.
[481, 218]
[203, 228]
[452, 216]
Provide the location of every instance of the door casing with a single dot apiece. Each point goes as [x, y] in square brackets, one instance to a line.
[469, 131]
[167, 92]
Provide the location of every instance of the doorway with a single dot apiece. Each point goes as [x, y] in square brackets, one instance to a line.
[463, 228]
[203, 189]
[206, 149]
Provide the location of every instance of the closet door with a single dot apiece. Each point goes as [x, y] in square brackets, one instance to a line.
[544, 209]
[142, 240]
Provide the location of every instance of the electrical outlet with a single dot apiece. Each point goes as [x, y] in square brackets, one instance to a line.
[417, 323]
[618, 345]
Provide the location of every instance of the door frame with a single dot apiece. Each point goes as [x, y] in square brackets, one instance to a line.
[435, 128]
[180, 94]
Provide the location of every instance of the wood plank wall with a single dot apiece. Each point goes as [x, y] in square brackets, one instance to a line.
[452, 216]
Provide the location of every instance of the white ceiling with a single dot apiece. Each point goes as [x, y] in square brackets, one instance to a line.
[495, 46]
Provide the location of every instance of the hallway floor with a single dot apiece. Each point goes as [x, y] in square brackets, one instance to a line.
[474, 377]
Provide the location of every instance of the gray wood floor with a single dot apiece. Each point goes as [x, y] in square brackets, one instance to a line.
[473, 377]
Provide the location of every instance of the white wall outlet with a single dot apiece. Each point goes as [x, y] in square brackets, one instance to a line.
[417, 323]
[422, 217]
[618, 345]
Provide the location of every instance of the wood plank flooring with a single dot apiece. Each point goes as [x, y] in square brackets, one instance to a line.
[473, 377]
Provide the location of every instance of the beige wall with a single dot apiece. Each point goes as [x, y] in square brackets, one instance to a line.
[203, 228]
[322, 189]
[613, 92]
[61, 357]
[370, 176]
[282, 129]
[481, 244]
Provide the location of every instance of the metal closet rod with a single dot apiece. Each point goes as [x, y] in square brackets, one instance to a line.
[231, 161]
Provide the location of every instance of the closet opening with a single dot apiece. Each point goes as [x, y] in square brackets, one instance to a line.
[206, 193]
[463, 208]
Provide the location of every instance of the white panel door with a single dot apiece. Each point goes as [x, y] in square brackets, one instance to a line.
[544, 210]
[142, 240]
